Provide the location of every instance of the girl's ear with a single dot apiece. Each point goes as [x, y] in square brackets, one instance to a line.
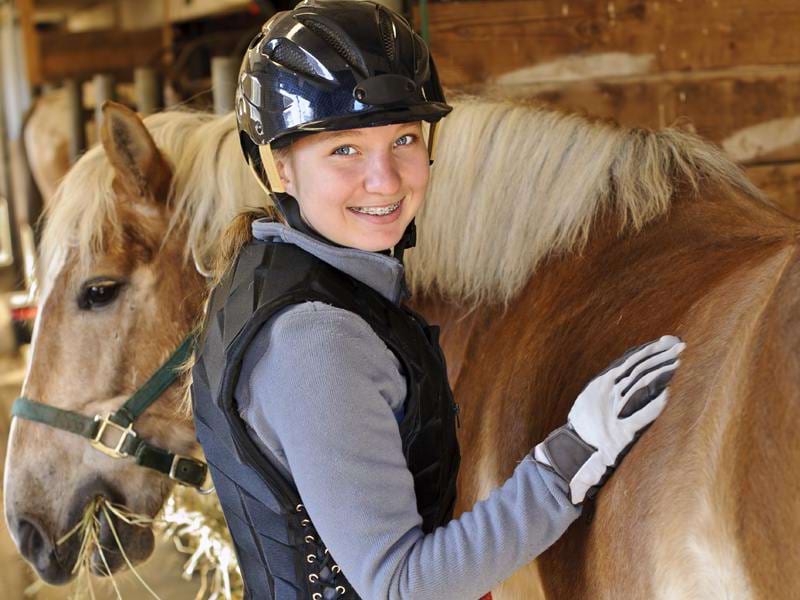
[278, 167]
[286, 173]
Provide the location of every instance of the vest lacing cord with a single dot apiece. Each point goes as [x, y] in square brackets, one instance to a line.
[325, 579]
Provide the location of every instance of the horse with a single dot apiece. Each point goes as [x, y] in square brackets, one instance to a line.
[548, 244]
[46, 141]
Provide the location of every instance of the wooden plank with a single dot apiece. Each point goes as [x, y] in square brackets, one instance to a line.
[28, 26]
[751, 111]
[480, 41]
[181, 10]
[92, 18]
[70, 5]
[142, 14]
[80, 55]
[781, 182]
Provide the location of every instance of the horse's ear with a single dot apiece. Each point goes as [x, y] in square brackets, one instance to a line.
[139, 166]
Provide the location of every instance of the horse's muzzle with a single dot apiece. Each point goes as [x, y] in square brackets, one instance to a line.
[54, 556]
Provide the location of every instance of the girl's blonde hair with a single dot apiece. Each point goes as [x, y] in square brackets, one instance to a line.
[238, 234]
[240, 230]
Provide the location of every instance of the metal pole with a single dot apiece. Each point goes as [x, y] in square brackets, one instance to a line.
[77, 132]
[223, 83]
[147, 90]
[103, 90]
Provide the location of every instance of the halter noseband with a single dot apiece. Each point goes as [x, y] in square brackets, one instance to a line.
[100, 430]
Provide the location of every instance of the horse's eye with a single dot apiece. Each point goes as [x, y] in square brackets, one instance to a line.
[96, 294]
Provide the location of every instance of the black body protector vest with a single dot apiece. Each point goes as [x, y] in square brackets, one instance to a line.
[280, 554]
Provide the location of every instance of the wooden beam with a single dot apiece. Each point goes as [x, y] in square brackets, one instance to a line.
[754, 112]
[81, 55]
[181, 10]
[26, 19]
[71, 5]
[474, 42]
[781, 182]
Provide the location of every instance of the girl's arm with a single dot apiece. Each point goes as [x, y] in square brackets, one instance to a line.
[322, 390]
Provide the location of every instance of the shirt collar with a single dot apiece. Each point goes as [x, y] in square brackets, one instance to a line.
[382, 273]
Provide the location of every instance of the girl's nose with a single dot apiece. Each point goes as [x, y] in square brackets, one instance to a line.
[383, 176]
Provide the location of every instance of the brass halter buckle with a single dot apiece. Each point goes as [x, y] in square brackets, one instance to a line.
[114, 449]
[177, 460]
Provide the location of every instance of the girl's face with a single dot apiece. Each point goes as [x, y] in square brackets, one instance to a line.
[358, 187]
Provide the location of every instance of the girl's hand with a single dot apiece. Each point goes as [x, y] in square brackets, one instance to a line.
[609, 415]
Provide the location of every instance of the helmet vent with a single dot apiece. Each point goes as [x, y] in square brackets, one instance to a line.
[286, 54]
[338, 40]
[421, 59]
[387, 35]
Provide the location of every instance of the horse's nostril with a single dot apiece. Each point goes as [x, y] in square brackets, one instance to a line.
[38, 548]
[31, 540]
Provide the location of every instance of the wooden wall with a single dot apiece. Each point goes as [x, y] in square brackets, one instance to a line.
[728, 69]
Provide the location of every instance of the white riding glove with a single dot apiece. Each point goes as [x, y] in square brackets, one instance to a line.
[609, 415]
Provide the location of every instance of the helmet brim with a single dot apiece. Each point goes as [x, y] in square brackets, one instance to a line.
[430, 111]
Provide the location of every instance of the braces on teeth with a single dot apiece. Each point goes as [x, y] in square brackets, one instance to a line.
[378, 211]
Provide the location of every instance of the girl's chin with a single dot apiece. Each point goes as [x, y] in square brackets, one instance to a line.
[374, 245]
[376, 242]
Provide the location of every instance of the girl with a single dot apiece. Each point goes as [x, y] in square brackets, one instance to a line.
[321, 403]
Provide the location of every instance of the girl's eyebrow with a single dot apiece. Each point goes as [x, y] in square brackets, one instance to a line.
[329, 136]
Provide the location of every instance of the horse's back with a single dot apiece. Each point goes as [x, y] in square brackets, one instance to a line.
[679, 517]
[706, 505]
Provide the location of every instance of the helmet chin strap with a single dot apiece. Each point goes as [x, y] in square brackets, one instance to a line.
[290, 211]
[408, 240]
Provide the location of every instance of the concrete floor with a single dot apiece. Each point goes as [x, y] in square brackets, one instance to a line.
[161, 572]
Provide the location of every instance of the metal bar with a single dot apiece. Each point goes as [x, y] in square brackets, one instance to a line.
[223, 83]
[77, 131]
[103, 90]
[147, 90]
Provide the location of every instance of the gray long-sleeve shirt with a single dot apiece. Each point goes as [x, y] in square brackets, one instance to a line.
[322, 393]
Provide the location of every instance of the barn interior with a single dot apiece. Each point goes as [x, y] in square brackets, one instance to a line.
[728, 70]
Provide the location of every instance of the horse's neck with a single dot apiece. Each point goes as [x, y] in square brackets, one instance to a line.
[708, 273]
[517, 371]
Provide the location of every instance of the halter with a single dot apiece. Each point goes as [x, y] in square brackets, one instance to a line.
[102, 429]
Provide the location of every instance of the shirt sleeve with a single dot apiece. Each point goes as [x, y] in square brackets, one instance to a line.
[322, 389]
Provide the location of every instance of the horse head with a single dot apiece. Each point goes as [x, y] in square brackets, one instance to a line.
[116, 291]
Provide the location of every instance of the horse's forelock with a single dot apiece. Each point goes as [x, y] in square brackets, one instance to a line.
[210, 182]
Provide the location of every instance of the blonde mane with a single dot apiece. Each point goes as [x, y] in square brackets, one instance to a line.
[512, 184]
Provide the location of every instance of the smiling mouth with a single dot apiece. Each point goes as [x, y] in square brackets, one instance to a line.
[378, 211]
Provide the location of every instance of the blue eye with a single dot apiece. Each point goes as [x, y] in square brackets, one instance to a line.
[409, 136]
[337, 151]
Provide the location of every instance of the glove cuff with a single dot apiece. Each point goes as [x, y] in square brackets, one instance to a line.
[564, 452]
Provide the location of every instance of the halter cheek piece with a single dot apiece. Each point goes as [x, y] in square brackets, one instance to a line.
[113, 434]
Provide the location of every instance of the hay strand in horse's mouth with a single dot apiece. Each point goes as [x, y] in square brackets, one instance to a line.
[194, 523]
[89, 529]
[132, 519]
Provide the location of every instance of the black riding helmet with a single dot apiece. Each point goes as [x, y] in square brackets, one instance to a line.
[328, 65]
